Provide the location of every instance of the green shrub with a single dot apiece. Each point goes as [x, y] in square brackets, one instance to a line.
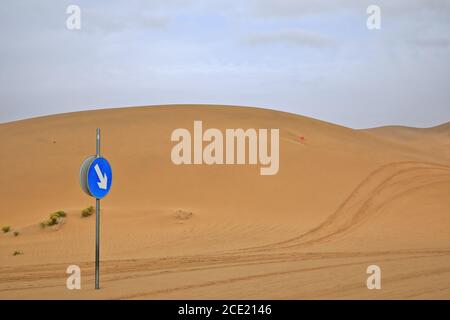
[54, 219]
[59, 214]
[87, 212]
[6, 229]
[16, 233]
[16, 253]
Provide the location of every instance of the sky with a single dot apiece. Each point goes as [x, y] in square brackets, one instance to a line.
[314, 58]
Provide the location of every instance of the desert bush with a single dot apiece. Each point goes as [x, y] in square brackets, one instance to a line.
[59, 214]
[16, 233]
[16, 253]
[6, 229]
[87, 212]
[54, 219]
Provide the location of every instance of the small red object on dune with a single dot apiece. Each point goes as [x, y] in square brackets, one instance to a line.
[302, 138]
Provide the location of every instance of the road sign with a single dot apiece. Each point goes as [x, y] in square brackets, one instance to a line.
[83, 174]
[96, 180]
[99, 178]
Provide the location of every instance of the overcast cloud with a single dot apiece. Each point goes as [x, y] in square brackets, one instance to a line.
[315, 58]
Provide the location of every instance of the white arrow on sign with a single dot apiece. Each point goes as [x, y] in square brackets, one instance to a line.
[102, 177]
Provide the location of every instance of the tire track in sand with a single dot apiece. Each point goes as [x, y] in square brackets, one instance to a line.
[380, 187]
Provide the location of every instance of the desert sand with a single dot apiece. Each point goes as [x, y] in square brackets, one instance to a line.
[343, 199]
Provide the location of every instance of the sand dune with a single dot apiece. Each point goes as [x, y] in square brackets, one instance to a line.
[343, 199]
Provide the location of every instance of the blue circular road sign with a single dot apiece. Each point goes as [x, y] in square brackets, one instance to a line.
[96, 177]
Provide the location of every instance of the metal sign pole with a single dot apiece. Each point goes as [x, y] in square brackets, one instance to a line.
[95, 181]
[97, 224]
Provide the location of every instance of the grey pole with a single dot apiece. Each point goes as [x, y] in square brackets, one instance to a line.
[97, 244]
[97, 225]
[97, 153]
